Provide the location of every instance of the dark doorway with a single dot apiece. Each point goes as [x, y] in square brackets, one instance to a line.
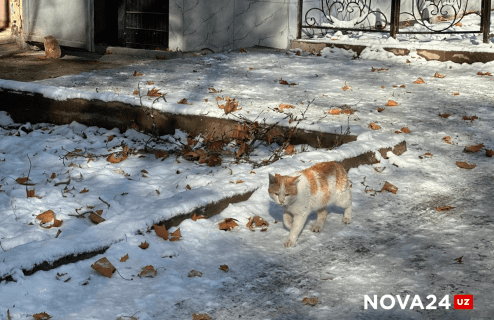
[146, 24]
[106, 22]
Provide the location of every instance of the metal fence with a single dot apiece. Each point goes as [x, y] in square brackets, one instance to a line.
[405, 17]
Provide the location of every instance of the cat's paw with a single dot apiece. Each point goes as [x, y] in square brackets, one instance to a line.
[346, 220]
[317, 228]
[289, 244]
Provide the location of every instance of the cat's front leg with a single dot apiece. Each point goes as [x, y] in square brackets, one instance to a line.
[287, 220]
[297, 225]
[321, 218]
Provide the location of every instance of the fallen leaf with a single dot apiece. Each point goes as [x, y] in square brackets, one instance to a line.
[310, 301]
[474, 148]
[383, 87]
[46, 216]
[428, 155]
[42, 316]
[380, 109]
[124, 258]
[154, 93]
[391, 103]
[117, 157]
[253, 172]
[447, 139]
[239, 181]
[445, 208]
[335, 111]
[285, 106]
[389, 187]
[99, 212]
[444, 115]
[257, 221]
[242, 50]
[297, 53]
[290, 149]
[224, 267]
[484, 74]
[346, 87]
[194, 273]
[231, 105]
[187, 187]
[419, 81]
[84, 190]
[161, 154]
[458, 24]
[489, 152]
[135, 92]
[30, 193]
[438, 75]
[144, 245]
[148, 271]
[242, 149]
[470, 118]
[456, 93]
[22, 181]
[104, 267]
[201, 316]
[136, 74]
[459, 260]
[161, 231]
[53, 176]
[56, 223]
[408, 61]
[405, 130]
[196, 217]
[465, 165]
[374, 126]
[175, 236]
[95, 218]
[379, 70]
[183, 101]
[227, 224]
[214, 160]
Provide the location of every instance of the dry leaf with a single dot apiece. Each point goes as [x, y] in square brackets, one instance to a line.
[408, 61]
[310, 301]
[253, 172]
[459, 260]
[335, 111]
[154, 93]
[419, 81]
[447, 139]
[458, 24]
[389, 187]
[46, 216]
[196, 217]
[346, 87]
[22, 181]
[224, 267]
[242, 149]
[148, 271]
[42, 316]
[297, 53]
[257, 221]
[228, 224]
[213, 161]
[135, 92]
[194, 273]
[201, 316]
[428, 155]
[290, 149]
[104, 267]
[84, 190]
[30, 193]
[161, 154]
[99, 212]
[231, 105]
[405, 130]
[56, 223]
[242, 50]
[374, 126]
[117, 157]
[183, 101]
[161, 231]
[285, 106]
[136, 74]
[144, 245]
[474, 148]
[239, 181]
[470, 118]
[95, 218]
[445, 208]
[438, 75]
[444, 115]
[465, 165]
[380, 109]
[484, 74]
[175, 236]
[489, 152]
[391, 103]
[456, 93]
[124, 258]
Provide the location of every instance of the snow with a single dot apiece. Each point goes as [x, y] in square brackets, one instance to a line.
[397, 244]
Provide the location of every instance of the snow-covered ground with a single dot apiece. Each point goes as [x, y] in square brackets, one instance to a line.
[397, 244]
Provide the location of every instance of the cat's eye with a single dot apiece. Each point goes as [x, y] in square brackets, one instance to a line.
[276, 193]
[286, 195]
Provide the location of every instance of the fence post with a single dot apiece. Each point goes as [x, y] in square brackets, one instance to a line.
[395, 17]
[299, 19]
[485, 20]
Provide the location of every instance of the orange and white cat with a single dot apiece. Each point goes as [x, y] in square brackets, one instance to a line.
[312, 189]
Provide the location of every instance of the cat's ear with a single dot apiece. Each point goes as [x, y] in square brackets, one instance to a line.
[294, 179]
[272, 179]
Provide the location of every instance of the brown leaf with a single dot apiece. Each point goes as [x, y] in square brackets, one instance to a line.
[391, 103]
[136, 74]
[389, 187]
[53, 175]
[104, 267]
[458, 24]
[346, 87]
[99, 212]
[231, 105]
[242, 149]
[474, 148]
[46, 216]
[257, 221]
[480, 73]
[459, 260]
[183, 101]
[84, 190]
[240, 181]
[470, 118]
[489, 152]
[419, 81]
[196, 217]
[148, 271]
[194, 273]
[224, 267]
[444, 115]
[56, 223]
[284, 82]
[42, 316]
[144, 245]
[176, 235]
[438, 75]
[456, 93]
[95, 218]
[213, 90]
[242, 50]
[187, 187]
[290, 149]
[285, 106]
[405, 130]
[253, 172]
[161, 154]
[201, 316]
[310, 301]
[116, 157]
[380, 109]
[447, 139]
[335, 111]
[408, 61]
[465, 165]
[214, 160]
[374, 126]
[30, 193]
[135, 92]
[428, 155]
[445, 208]
[228, 224]
[124, 258]
[23, 181]
[154, 93]
[161, 231]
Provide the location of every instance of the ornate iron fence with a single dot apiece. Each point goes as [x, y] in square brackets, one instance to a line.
[433, 16]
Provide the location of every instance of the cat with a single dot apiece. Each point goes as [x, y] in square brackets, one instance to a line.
[312, 189]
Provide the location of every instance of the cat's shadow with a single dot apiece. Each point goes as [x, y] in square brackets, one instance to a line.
[276, 211]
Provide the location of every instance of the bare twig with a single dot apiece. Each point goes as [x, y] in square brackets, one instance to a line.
[104, 202]
[62, 182]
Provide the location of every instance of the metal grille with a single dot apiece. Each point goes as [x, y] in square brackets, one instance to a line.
[146, 24]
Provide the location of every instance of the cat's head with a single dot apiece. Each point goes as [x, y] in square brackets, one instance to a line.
[283, 189]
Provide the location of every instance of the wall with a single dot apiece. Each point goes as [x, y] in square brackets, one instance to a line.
[231, 24]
